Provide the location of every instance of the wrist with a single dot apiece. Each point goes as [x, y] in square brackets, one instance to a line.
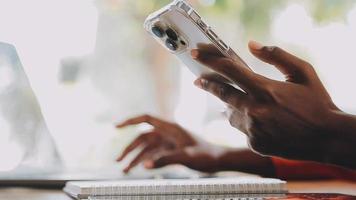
[340, 142]
[245, 160]
[208, 156]
[225, 160]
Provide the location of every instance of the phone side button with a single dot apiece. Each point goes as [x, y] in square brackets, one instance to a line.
[212, 35]
[195, 16]
[185, 7]
[223, 45]
[202, 25]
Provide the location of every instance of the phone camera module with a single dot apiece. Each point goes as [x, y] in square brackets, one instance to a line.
[172, 34]
[158, 31]
[171, 44]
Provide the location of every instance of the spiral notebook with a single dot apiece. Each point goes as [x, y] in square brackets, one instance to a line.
[194, 197]
[208, 186]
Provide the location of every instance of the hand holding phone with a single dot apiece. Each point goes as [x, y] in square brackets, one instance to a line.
[179, 28]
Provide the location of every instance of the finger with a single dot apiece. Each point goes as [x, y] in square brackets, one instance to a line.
[143, 138]
[223, 91]
[210, 49]
[140, 157]
[144, 119]
[294, 68]
[249, 81]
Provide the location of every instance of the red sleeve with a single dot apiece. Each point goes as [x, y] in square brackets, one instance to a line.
[290, 169]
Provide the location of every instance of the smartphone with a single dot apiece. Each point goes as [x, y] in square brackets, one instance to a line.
[179, 29]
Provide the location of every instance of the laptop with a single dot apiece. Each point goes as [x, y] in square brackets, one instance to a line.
[32, 158]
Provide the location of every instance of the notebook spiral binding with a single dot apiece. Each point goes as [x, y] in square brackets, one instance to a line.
[182, 189]
[191, 197]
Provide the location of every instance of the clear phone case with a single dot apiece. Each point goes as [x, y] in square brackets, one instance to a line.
[179, 28]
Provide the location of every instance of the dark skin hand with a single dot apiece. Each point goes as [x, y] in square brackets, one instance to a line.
[168, 143]
[294, 119]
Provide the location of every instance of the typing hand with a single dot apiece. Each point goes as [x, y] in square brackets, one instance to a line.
[292, 118]
[168, 143]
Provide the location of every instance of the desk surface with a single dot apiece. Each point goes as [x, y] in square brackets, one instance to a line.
[294, 187]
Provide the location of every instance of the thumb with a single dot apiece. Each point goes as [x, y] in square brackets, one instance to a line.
[295, 69]
[178, 157]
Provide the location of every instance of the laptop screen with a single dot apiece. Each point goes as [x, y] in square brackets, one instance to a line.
[25, 141]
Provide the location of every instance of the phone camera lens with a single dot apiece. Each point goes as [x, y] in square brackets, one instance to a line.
[171, 45]
[158, 31]
[171, 34]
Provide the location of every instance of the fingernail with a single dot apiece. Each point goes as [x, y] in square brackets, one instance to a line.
[194, 53]
[198, 83]
[148, 164]
[201, 83]
[121, 125]
[255, 45]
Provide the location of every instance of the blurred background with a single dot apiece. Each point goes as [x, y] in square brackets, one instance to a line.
[91, 65]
